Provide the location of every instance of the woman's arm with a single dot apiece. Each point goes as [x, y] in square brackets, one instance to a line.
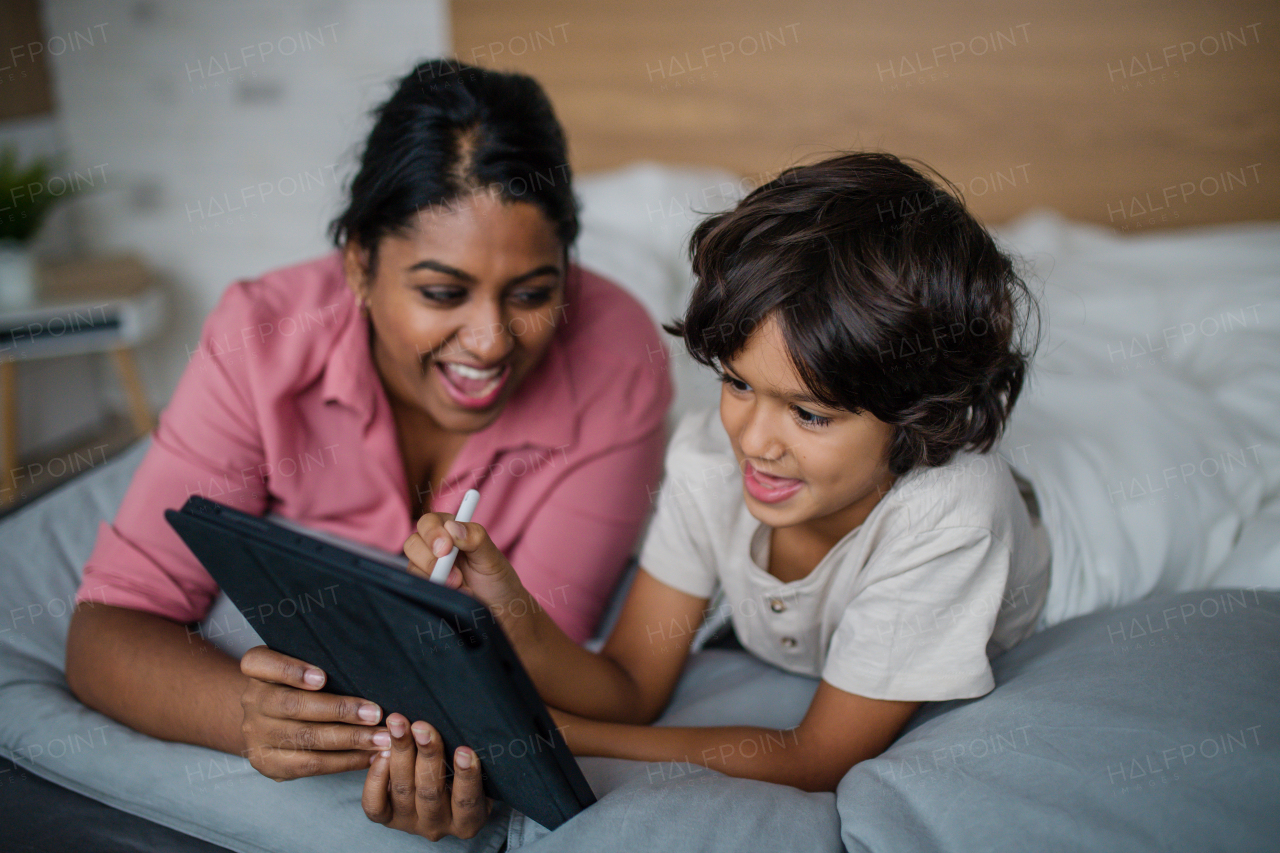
[632, 677]
[153, 675]
[159, 678]
[839, 730]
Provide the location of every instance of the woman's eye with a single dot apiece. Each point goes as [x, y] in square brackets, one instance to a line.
[734, 383]
[442, 294]
[533, 298]
[808, 418]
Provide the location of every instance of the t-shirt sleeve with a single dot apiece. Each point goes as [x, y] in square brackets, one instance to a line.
[918, 630]
[207, 443]
[678, 548]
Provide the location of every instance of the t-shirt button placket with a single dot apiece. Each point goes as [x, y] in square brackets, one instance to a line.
[777, 605]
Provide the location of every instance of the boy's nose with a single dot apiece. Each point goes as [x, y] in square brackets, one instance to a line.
[758, 438]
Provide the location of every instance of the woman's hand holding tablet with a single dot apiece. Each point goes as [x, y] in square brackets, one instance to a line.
[406, 788]
[291, 730]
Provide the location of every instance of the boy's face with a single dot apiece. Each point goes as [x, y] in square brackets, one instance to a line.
[802, 463]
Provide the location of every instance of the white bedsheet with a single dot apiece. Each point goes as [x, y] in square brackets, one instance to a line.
[1151, 422]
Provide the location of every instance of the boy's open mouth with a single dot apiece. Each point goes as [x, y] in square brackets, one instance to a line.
[768, 488]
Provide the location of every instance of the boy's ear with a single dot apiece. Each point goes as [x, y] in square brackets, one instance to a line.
[355, 262]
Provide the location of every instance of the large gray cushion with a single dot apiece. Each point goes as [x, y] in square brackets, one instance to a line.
[1152, 727]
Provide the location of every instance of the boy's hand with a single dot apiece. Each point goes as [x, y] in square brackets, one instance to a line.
[480, 570]
[405, 788]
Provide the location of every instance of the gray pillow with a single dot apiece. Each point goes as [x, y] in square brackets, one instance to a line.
[1152, 727]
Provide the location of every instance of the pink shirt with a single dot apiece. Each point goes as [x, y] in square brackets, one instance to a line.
[281, 410]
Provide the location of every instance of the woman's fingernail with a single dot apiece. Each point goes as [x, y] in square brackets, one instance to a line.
[314, 677]
[442, 547]
[382, 739]
[397, 727]
[421, 735]
[462, 759]
[369, 713]
[456, 530]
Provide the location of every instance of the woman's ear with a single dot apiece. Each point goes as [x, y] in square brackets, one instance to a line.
[355, 261]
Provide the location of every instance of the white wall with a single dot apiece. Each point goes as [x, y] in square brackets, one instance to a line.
[184, 105]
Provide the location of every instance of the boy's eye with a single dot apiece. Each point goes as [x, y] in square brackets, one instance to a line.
[808, 418]
[736, 384]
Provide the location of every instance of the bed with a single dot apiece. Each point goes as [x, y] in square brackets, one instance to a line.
[1145, 716]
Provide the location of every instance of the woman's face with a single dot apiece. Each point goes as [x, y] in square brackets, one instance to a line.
[462, 307]
[801, 462]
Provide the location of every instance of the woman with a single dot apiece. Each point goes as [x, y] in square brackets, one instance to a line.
[448, 344]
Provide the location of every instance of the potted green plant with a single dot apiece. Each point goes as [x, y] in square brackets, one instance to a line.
[27, 192]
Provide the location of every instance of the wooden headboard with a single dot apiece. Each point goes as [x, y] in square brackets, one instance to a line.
[1138, 115]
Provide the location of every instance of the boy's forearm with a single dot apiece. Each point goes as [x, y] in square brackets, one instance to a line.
[748, 752]
[567, 675]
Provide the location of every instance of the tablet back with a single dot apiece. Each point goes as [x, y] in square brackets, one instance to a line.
[382, 634]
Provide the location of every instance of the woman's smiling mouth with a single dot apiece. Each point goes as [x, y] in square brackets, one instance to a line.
[473, 387]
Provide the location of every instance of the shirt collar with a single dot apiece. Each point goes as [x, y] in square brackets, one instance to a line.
[350, 377]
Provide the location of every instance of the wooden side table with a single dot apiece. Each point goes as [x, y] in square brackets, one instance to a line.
[104, 305]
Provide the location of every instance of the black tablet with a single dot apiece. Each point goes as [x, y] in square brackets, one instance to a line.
[429, 652]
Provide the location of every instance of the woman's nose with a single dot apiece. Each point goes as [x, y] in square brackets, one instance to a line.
[487, 336]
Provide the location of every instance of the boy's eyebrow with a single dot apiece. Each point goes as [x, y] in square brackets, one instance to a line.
[429, 264]
[800, 397]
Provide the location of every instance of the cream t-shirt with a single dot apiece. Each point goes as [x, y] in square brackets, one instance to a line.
[948, 569]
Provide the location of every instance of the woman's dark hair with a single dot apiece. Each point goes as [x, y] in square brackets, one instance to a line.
[891, 297]
[449, 130]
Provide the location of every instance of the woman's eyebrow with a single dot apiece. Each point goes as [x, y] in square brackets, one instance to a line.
[545, 269]
[454, 272]
[429, 264]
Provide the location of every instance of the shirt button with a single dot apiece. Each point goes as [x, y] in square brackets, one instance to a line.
[789, 642]
[777, 605]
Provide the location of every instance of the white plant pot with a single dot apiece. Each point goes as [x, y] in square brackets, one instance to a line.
[17, 275]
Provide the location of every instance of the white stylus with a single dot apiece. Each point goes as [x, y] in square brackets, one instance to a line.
[440, 573]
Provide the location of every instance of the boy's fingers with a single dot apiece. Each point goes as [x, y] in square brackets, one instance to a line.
[264, 664]
[432, 530]
[482, 554]
[419, 553]
[374, 799]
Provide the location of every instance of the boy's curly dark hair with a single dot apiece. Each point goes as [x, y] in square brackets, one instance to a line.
[891, 297]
